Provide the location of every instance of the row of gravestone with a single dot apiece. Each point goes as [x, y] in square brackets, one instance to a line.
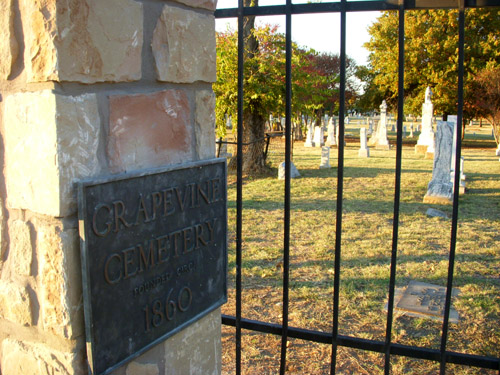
[440, 146]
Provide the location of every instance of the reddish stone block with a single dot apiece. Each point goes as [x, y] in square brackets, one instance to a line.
[149, 130]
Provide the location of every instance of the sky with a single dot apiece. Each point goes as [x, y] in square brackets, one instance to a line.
[318, 31]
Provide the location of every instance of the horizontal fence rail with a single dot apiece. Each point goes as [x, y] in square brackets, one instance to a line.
[387, 347]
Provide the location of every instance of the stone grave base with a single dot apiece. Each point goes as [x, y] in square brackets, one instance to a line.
[429, 155]
[364, 153]
[382, 147]
[433, 199]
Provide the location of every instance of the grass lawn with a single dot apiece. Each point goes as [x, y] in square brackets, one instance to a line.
[423, 249]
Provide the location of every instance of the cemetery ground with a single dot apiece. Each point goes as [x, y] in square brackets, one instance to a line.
[423, 250]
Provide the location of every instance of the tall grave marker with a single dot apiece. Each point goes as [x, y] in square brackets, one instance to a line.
[440, 189]
[426, 138]
[379, 140]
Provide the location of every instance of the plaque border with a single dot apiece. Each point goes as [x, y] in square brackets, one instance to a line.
[82, 185]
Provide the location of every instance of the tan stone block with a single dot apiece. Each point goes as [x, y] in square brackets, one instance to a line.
[50, 141]
[196, 349]
[20, 251]
[3, 242]
[184, 46]
[205, 124]
[136, 368]
[28, 358]
[59, 283]
[15, 303]
[9, 47]
[82, 40]
[149, 130]
[206, 4]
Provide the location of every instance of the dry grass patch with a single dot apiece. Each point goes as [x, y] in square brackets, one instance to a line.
[367, 224]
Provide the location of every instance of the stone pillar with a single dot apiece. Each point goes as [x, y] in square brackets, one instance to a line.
[319, 139]
[426, 138]
[310, 133]
[91, 88]
[331, 138]
[364, 151]
[379, 140]
[325, 158]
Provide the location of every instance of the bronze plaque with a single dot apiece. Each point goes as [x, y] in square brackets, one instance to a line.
[154, 257]
[423, 299]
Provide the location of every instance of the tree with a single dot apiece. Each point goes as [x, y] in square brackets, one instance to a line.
[371, 97]
[315, 80]
[483, 98]
[431, 54]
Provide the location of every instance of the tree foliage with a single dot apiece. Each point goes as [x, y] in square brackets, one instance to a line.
[431, 54]
[483, 98]
[315, 78]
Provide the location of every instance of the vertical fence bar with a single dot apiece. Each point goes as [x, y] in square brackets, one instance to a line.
[239, 186]
[286, 224]
[340, 187]
[397, 187]
[454, 221]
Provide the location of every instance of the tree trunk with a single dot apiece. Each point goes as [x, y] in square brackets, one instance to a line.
[254, 122]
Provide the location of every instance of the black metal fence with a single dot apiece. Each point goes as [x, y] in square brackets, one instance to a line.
[274, 147]
[386, 347]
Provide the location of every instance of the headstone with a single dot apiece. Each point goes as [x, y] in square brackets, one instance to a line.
[429, 154]
[319, 139]
[393, 128]
[337, 132]
[379, 140]
[364, 151]
[325, 158]
[309, 136]
[432, 212]
[346, 120]
[294, 173]
[229, 124]
[426, 138]
[411, 131]
[497, 153]
[425, 300]
[370, 126]
[331, 140]
[440, 189]
[453, 120]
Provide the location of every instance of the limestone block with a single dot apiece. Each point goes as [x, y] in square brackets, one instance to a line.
[9, 47]
[50, 141]
[3, 242]
[82, 40]
[15, 303]
[59, 284]
[294, 172]
[196, 349]
[28, 358]
[184, 46]
[20, 251]
[136, 368]
[206, 4]
[205, 124]
[149, 130]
